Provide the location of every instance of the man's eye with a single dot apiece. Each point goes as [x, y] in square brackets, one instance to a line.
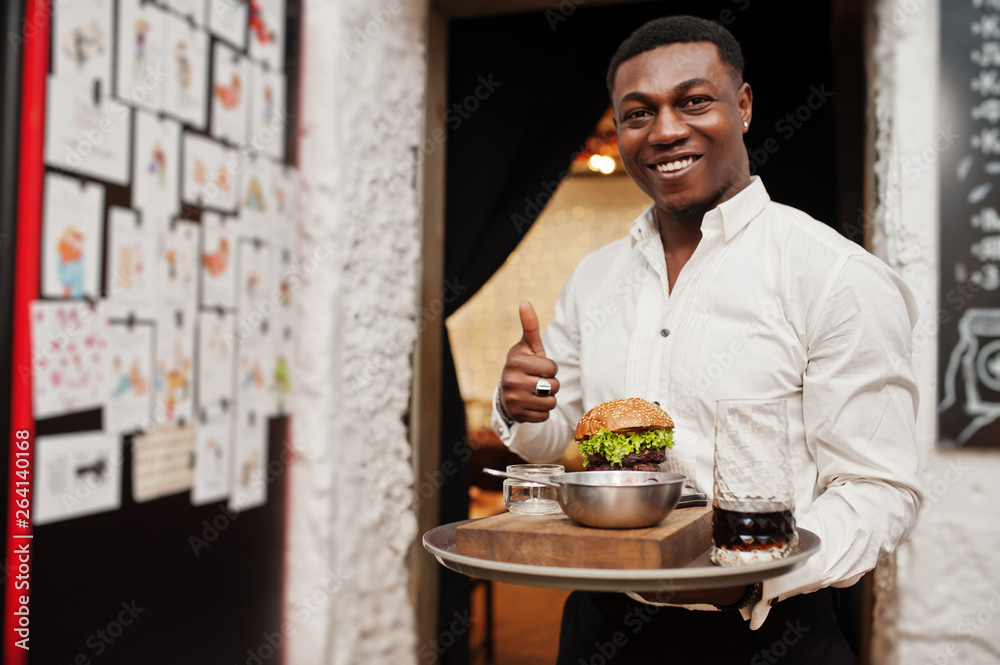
[638, 113]
[697, 100]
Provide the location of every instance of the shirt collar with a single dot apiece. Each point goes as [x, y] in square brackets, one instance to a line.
[733, 214]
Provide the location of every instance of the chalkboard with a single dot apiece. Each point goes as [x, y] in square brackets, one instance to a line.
[967, 148]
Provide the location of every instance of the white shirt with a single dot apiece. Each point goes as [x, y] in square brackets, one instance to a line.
[772, 304]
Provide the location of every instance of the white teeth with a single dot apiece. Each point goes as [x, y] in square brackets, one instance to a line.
[675, 166]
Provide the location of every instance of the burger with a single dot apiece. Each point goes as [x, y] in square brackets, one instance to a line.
[628, 433]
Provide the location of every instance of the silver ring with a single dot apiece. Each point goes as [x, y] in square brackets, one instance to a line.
[543, 388]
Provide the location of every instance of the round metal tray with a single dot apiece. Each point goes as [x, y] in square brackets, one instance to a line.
[699, 574]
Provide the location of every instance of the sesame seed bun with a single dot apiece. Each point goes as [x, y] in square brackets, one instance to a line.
[630, 414]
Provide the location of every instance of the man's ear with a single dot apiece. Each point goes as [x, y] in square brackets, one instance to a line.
[744, 101]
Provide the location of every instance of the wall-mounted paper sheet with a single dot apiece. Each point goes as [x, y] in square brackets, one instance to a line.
[131, 257]
[177, 269]
[156, 166]
[268, 117]
[257, 204]
[162, 462]
[208, 181]
[282, 186]
[70, 357]
[228, 19]
[130, 401]
[216, 355]
[142, 60]
[84, 136]
[218, 261]
[230, 92]
[213, 458]
[72, 237]
[281, 378]
[267, 32]
[174, 377]
[76, 475]
[186, 95]
[81, 36]
[249, 486]
[254, 298]
[255, 370]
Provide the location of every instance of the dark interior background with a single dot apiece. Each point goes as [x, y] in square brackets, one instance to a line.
[550, 67]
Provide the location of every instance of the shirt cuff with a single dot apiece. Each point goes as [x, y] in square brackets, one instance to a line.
[503, 425]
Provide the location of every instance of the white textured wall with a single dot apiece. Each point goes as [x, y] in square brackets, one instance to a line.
[361, 122]
[948, 574]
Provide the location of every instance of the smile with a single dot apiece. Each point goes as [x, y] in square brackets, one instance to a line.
[677, 165]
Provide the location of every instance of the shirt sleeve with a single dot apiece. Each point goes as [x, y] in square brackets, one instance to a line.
[545, 441]
[859, 401]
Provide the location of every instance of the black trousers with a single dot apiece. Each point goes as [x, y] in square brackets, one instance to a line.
[603, 628]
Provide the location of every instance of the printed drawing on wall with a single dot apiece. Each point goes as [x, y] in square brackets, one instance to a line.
[141, 57]
[70, 357]
[156, 164]
[81, 36]
[130, 398]
[76, 475]
[131, 256]
[72, 236]
[187, 76]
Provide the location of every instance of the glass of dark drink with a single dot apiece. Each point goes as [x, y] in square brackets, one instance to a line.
[753, 505]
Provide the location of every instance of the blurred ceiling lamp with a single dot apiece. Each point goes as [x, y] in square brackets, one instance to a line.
[601, 163]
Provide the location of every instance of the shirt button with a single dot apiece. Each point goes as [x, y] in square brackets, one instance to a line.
[664, 332]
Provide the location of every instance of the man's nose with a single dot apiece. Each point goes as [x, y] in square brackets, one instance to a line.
[668, 127]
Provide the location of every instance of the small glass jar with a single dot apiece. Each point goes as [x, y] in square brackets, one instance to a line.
[531, 498]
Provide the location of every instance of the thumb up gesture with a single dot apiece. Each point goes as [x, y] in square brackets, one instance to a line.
[523, 382]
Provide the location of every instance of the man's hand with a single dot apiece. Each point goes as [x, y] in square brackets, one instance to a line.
[526, 364]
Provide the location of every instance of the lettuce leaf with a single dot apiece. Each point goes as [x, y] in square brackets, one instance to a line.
[615, 446]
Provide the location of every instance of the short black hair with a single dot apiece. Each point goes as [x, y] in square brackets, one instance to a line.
[677, 30]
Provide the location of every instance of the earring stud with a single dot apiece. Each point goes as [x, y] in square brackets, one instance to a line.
[746, 124]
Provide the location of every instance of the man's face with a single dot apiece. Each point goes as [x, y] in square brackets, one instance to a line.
[680, 114]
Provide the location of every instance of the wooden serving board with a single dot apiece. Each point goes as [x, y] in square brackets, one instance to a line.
[555, 540]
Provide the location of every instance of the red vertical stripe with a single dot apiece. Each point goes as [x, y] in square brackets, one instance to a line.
[26, 277]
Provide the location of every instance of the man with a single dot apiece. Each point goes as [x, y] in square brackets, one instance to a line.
[717, 293]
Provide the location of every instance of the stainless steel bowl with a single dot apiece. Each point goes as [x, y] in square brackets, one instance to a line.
[615, 499]
[618, 499]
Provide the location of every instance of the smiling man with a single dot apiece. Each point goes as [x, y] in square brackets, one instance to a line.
[739, 297]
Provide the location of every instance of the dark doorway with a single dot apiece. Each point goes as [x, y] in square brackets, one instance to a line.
[524, 90]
